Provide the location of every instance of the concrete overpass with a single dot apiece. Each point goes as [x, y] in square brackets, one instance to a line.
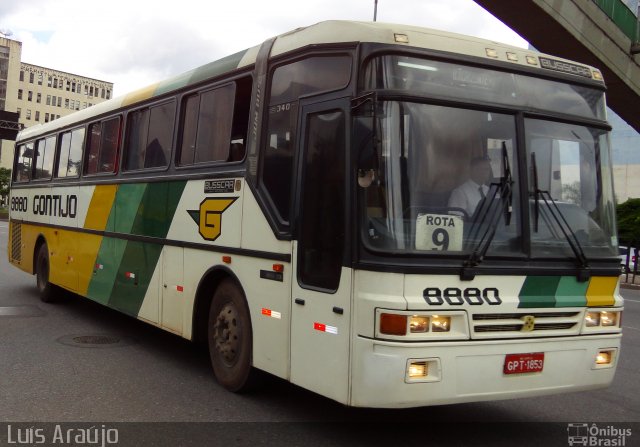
[602, 33]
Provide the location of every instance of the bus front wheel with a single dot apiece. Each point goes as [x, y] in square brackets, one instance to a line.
[46, 290]
[229, 338]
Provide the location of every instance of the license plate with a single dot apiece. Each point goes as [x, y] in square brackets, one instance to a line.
[523, 363]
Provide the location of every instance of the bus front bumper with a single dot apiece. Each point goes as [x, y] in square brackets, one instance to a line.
[475, 370]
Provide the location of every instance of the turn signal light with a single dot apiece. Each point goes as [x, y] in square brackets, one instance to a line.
[393, 324]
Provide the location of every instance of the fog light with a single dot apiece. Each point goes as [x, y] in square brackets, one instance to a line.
[419, 324]
[592, 319]
[440, 324]
[392, 324]
[418, 370]
[604, 358]
[608, 318]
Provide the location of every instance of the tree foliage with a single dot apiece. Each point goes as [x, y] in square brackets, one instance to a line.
[628, 216]
[5, 178]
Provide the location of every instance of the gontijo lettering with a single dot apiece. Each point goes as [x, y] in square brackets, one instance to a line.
[55, 205]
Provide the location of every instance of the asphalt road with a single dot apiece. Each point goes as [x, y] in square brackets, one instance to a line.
[154, 376]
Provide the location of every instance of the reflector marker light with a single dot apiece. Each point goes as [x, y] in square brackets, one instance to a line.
[226, 259]
[325, 328]
[130, 275]
[278, 268]
[99, 267]
[271, 313]
[180, 288]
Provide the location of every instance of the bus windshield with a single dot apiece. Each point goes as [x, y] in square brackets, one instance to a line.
[445, 180]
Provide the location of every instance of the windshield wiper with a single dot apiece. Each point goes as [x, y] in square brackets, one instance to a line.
[583, 272]
[489, 214]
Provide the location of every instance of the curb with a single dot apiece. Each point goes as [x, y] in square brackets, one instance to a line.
[625, 285]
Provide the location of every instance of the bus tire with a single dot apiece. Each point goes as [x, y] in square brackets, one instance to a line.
[229, 337]
[46, 290]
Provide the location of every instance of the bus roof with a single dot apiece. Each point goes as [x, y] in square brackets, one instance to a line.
[328, 32]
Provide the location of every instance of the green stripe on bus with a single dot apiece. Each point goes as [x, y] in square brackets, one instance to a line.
[571, 293]
[539, 291]
[125, 207]
[144, 210]
[196, 75]
[105, 269]
[156, 209]
[134, 275]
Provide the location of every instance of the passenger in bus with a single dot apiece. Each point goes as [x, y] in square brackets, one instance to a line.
[467, 196]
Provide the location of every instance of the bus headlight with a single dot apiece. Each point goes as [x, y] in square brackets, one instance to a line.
[407, 325]
[440, 323]
[418, 324]
[599, 320]
[592, 319]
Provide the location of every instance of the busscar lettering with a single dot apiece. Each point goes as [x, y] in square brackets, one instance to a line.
[55, 205]
[454, 296]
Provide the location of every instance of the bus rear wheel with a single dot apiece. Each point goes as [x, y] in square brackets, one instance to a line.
[230, 338]
[46, 290]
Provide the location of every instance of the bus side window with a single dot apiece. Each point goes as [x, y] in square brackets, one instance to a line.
[24, 160]
[45, 150]
[110, 141]
[70, 156]
[207, 122]
[102, 146]
[149, 136]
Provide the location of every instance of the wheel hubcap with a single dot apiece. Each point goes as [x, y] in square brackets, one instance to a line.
[227, 334]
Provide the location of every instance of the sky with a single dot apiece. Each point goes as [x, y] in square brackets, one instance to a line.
[134, 43]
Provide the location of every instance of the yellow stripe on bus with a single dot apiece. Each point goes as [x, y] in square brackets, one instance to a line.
[140, 95]
[100, 207]
[601, 290]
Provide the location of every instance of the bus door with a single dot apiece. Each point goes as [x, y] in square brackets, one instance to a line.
[321, 291]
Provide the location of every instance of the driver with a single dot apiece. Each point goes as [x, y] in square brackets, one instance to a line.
[470, 193]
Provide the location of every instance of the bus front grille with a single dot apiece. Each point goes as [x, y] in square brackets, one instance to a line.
[526, 324]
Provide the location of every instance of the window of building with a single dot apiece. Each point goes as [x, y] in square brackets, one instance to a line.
[39, 78]
[108, 94]
[55, 82]
[19, 93]
[31, 77]
[45, 149]
[30, 96]
[149, 136]
[49, 80]
[91, 91]
[70, 157]
[73, 87]
[102, 93]
[59, 101]
[39, 98]
[46, 117]
[66, 103]
[19, 110]
[86, 89]
[37, 115]
[68, 85]
[28, 116]
[21, 76]
[48, 100]
[102, 146]
[207, 119]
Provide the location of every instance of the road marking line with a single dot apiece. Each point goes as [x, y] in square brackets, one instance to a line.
[629, 327]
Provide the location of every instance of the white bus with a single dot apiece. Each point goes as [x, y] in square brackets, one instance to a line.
[386, 215]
